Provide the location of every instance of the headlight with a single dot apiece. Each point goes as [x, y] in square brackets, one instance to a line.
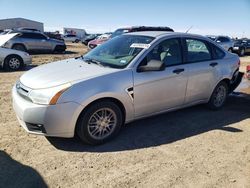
[26, 54]
[49, 95]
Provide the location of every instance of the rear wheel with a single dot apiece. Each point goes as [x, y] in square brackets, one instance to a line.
[13, 63]
[99, 123]
[59, 49]
[219, 96]
[19, 47]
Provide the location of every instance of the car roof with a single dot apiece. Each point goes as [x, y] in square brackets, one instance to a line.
[157, 34]
[146, 28]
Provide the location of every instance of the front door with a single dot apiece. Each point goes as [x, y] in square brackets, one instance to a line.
[158, 91]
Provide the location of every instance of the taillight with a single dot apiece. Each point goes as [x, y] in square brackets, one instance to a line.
[248, 68]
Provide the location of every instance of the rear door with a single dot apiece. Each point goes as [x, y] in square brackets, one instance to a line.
[203, 70]
[42, 42]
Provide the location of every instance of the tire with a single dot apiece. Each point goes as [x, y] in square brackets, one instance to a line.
[77, 40]
[19, 47]
[59, 49]
[219, 96]
[13, 63]
[242, 52]
[99, 123]
[230, 50]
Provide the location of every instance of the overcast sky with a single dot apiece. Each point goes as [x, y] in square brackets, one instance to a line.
[227, 17]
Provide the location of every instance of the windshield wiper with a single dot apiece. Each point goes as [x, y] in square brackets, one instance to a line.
[89, 60]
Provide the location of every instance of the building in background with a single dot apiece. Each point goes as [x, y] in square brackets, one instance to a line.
[14, 23]
[80, 33]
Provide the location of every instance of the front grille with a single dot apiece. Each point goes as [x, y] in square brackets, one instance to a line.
[22, 91]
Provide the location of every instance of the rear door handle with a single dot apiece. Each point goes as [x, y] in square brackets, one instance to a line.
[178, 71]
[213, 64]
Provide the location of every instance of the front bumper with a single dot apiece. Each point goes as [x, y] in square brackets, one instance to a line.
[49, 120]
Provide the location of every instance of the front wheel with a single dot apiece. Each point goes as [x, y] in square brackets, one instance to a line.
[99, 123]
[219, 96]
[13, 63]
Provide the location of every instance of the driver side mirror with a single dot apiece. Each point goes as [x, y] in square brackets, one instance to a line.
[152, 65]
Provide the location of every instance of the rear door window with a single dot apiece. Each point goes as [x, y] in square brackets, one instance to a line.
[197, 50]
[217, 52]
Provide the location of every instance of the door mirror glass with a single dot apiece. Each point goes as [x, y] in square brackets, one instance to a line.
[152, 65]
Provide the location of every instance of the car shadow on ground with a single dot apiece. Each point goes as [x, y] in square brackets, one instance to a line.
[25, 68]
[53, 53]
[15, 174]
[168, 127]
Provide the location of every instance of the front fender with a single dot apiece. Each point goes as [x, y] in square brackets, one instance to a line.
[113, 85]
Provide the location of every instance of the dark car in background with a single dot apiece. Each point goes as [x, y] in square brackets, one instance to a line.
[121, 31]
[89, 38]
[54, 35]
[241, 46]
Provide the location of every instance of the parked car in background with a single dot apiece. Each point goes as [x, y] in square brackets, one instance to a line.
[241, 46]
[54, 35]
[12, 60]
[89, 38]
[99, 40]
[71, 38]
[226, 42]
[27, 29]
[129, 77]
[121, 31]
[35, 42]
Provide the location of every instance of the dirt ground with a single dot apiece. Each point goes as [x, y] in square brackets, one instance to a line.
[194, 147]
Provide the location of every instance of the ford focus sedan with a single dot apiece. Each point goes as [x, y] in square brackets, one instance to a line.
[131, 76]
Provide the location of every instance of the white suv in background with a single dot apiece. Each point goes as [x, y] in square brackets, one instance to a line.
[224, 41]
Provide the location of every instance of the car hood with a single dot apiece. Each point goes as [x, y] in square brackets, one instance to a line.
[62, 72]
[5, 38]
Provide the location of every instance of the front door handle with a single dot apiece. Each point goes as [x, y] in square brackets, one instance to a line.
[178, 71]
[213, 64]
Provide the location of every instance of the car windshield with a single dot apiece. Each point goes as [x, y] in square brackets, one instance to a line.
[119, 51]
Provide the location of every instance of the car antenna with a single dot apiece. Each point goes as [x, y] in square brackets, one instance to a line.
[189, 29]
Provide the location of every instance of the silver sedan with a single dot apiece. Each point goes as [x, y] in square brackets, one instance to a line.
[131, 76]
[12, 60]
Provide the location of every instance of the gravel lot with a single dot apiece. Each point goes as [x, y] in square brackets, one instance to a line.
[194, 147]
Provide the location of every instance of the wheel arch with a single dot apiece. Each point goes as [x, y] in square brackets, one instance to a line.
[19, 44]
[111, 99]
[11, 55]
